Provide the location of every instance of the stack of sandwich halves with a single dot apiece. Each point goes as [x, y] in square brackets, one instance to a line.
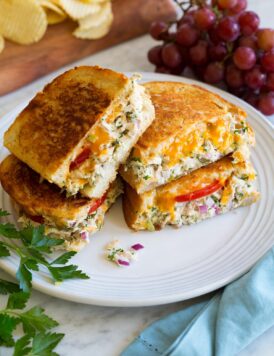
[67, 146]
[183, 152]
[192, 163]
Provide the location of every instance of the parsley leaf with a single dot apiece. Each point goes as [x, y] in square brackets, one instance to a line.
[36, 320]
[4, 252]
[7, 326]
[18, 300]
[4, 212]
[66, 272]
[7, 287]
[21, 347]
[24, 277]
[8, 230]
[63, 259]
[44, 343]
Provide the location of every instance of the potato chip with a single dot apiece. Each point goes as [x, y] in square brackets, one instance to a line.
[77, 9]
[97, 19]
[24, 22]
[2, 43]
[54, 13]
[95, 32]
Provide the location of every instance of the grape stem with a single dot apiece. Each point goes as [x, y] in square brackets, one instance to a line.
[185, 5]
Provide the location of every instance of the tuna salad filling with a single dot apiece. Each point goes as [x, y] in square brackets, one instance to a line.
[76, 232]
[110, 144]
[238, 192]
[161, 169]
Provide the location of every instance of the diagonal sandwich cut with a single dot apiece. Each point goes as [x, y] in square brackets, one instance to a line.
[41, 202]
[204, 193]
[192, 128]
[80, 128]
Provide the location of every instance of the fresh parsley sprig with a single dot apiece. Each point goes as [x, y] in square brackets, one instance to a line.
[33, 253]
[34, 250]
[37, 339]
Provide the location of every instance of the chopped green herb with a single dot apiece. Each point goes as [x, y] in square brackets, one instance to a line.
[112, 255]
[92, 138]
[136, 159]
[147, 177]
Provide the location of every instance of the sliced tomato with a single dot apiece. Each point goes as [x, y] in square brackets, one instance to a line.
[38, 219]
[209, 189]
[97, 203]
[80, 159]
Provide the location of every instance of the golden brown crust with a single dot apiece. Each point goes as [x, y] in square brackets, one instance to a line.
[132, 203]
[45, 134]
[39, 199]
[179, 106]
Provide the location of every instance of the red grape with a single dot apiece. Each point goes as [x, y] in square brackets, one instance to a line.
[239, 7]
[234, 77]
[248, 41]
[266, 103]
[158, 29]
[187, 35]
[244, 58]
[249, 22]
[155, 55]
[217, 52]
[265, 39]
[187, 18]
[198, 53]
[252, 98]
[227, 4]
[255, 78]
[204, 18]
[171, 55]
[162, 69]
[228, 29]
[270, 81]
[214, 73]
[268, 61]
[213, 35]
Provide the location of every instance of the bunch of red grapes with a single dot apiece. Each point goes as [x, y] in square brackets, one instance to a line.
[221, 42]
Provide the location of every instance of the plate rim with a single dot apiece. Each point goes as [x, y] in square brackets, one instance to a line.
[52, 290]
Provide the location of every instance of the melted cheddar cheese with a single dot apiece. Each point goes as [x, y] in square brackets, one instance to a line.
[99, 137]
[219, 134]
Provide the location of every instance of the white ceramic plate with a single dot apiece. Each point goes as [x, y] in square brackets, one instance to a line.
[176, 264]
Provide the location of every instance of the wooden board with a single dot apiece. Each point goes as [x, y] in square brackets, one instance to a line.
[20, 65]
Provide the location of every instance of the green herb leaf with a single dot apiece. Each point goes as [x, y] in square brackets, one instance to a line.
[63, 259]
[8, 230]
[37, 255]
[4, 251]
[36, 320]
[44, 343]
[4, 212]
[34, 237]
[7, 287]
[22, 347]
[7, 326]
[66, 272]
[18, 300]
[32, 264]
[24, 277]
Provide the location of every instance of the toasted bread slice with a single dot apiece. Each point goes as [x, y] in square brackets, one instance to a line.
[88, 109]
[193, 127]
[204, 193]
[40, 201]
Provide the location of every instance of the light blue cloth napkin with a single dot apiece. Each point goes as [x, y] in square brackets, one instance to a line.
[220, 326]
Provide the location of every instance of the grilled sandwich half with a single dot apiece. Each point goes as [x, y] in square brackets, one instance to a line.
[77, 131]
[192, 128]
[204, 193]
[40, 202]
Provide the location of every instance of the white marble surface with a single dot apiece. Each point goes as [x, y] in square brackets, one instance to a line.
[91, 330]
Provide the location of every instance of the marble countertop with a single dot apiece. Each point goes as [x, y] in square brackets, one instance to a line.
[105, 331]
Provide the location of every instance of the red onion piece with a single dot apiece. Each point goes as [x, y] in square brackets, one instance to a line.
[203, 209]
[217, 210]
[137, 247]
[123, 263]
[84, 235]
